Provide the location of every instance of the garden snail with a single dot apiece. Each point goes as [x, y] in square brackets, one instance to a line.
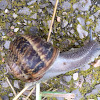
[32, 59]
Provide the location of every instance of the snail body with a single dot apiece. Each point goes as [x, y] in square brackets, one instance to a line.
[31, 59]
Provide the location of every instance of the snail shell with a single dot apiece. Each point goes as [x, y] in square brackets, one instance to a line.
[30, 57]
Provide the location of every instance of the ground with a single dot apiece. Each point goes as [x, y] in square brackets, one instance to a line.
[70, 30]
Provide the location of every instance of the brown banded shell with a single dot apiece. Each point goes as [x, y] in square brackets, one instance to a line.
[30, 57]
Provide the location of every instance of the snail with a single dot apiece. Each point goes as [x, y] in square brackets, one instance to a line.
[32, 59]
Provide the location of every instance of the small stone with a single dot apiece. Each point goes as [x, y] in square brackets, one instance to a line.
[44, 5]
[19, 23]
[53, 2]
[81, 21]
[64, 13]
[97, 13]
[6, 11]
[25, 11]
[49, 22]
[14, 15]
[58, 19]
[66, 5]
[92, 17]
[95, 90]
[75, 76]
[3, 4]
[97, 64]
[64, 23]
[5, 97]
[79, 5]
[31, 2]
[16, 29]
[67, 78]
[40, 11]
[97, 29]
[16, 84]
[81, 32]
[4, 84]
[12, 27]
[10, 94]
[7, 44]
[78, 94]
[2, 54]
[34, 16]
[88, 23]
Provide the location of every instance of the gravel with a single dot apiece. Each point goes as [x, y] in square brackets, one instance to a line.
[3, 4]
[25, 11]
[66, 5]
[31, 2]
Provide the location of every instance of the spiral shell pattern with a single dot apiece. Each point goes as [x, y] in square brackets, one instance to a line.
[30, 57]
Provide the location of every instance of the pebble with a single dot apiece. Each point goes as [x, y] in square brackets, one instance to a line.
[3, 4]
[97, 29]
[81, 32]
[95, 90]
[7, 44]
[58, 19]
[67, 78]
[53, 2]
[92, 17]
[97, 13]
[16, 29]
[14, 15]
[10, 94]
[97, 64]
[88, 22]
[64, 24]
[44, 5]
[31, 2]
[5, 97]
[4, 84]
[81, 21]
[75, 76]
[24, 10]
[12, 27]
[49, 22]
[34, 16]
[78, 94]
[79, 5]
[6, 11]
[2, 54]
[66, 5]
[16, 84]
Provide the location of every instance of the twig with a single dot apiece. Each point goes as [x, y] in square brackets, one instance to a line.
[11, 86]
[52, 20]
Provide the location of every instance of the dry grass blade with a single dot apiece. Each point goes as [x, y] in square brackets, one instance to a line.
[52, 20]
[11, 86]
[30, 93]
[22, 91]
